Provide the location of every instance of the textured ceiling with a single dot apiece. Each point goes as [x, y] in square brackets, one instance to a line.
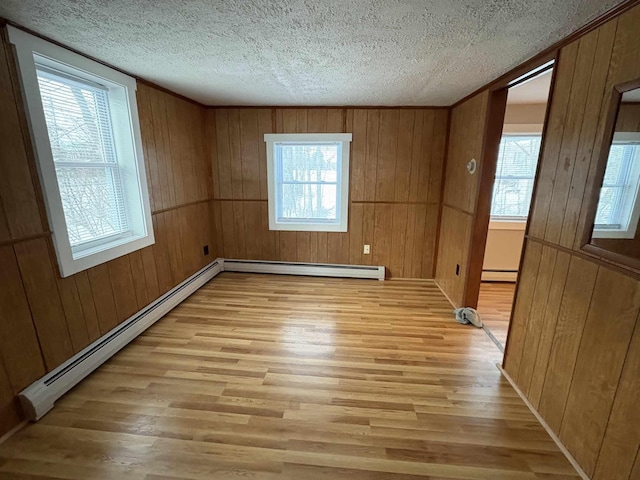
[304, 52]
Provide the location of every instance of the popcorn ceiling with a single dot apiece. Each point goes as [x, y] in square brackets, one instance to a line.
[302, 52]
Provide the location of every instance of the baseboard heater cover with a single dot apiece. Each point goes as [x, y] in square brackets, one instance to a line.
[310, 269]
[38, 398]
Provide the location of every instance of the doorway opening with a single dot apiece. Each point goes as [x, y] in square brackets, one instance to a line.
[512, 190]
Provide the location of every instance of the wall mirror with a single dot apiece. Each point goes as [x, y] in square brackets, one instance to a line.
[613, 231]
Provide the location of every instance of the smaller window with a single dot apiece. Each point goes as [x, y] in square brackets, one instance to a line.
[619, 203]
[84, 124]
[308, 178]
[515, 175]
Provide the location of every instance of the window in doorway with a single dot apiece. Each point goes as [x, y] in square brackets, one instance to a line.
[515, 174]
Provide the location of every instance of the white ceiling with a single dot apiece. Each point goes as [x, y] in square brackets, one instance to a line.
[310, 52]
[535, 90]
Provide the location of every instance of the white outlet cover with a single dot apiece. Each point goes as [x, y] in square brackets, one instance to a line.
[367, 249]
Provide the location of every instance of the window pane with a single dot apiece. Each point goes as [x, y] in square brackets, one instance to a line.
[516, 169]
[619, 187]
[308, 163]
[80, 133]
[78, 119]
[308, 201]
[92, 202]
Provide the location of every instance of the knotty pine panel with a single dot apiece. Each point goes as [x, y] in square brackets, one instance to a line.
[576, 358]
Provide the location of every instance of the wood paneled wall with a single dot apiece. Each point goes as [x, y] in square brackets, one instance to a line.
[574, 345]
[397, 157]
[466, 137]
[45, 319]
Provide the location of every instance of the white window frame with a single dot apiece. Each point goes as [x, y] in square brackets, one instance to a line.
[271, 139]
[122, 95]
[629, 230]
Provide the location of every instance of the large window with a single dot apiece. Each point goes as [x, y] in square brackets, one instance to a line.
[85, 129]
[308, 181]
[619, 205]
[515, 174]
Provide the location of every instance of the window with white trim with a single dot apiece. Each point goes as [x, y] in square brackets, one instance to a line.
[84, 126]
[619, 203]
[308, 177]
[515, 175]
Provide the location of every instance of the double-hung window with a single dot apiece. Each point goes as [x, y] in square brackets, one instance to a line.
[84, 125]
[308, 177]
[619, 204]
[515, 174]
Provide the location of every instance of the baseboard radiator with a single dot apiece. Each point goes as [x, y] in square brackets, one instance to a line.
[310, 269]
[499, 275]
[39, 397]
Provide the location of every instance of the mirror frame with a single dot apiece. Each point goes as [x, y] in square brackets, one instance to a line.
[593, 190]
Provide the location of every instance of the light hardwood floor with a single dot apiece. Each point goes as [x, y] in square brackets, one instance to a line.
[267, 377]
[494, 307]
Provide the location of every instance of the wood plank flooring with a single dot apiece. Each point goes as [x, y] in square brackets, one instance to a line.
[494, 305]
[270, 377]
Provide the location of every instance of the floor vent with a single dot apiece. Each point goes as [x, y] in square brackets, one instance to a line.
[38, 398]
[310, 269]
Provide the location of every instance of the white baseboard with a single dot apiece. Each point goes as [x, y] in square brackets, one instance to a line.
[309, 269]
[39, 397]
[544, 424]
[488, 276]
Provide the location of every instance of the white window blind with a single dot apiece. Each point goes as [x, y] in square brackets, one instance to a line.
[81, 137]
[619, 192]
[307, 182]
[515, 174]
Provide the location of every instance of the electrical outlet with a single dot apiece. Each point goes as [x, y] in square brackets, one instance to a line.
[367, 249]
[206, 249]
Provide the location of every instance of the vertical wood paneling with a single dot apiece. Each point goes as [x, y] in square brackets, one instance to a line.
[39, 281]
[465, 143]
[9, 416]
[566, 343]
[19, 345]
[547, 329]
[539, 303]
[580, 357]
[455, 233]
[397, 156]
[622, 437]
[597, 373]
[590, 140]
[520, 316]
[387, 150]
[550, 156]
[249, 146]
[89, 313]
[17, 191]
[571, 134]
[73, 313]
